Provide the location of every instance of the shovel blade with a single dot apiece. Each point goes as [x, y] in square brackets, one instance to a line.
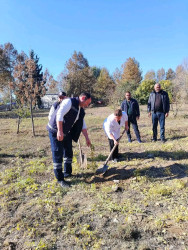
[83, 161]
[102, 170]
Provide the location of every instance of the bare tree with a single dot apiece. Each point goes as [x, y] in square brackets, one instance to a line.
[150, 75]
[29, 82]
[170, 74]
[180, 87]
[8, 60]
[77, 75]
[161, 74]
[51, 83]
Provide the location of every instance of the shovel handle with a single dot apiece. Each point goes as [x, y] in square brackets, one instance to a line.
[112, 151]
[81, 161]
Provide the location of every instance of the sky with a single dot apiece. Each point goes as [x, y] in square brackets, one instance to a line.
[107, 32]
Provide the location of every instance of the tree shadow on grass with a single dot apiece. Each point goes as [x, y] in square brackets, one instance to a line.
[173, 155]
[7, 155]
[41, 153]
[175, 137]
[174, 171]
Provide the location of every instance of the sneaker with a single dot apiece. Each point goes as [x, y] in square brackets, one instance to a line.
[64, 184]
[139, 141]
[115, 160]
[129, 140]
[153, 140]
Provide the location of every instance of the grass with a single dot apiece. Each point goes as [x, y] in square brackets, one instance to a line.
[141, 203]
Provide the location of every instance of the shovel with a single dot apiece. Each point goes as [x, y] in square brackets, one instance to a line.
[105, 166]
[83, 158]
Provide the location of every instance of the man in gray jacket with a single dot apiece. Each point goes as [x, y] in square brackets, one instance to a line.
[159, 106]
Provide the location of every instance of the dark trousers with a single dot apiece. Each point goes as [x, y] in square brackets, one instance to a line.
[115, 153]
[158, 117]
[61, 150]
[132, 120]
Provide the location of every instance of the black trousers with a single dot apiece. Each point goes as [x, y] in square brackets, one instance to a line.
[115, 153]
[132, 120]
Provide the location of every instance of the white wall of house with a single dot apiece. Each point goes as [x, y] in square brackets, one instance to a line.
[48, 100]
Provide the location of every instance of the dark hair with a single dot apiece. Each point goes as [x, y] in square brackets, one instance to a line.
[61, 93]
[128, 92]
[118, 112]
[87, 95]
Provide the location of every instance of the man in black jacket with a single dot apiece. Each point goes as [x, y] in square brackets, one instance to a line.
[131, 107]
[65, 125]
[159, 106]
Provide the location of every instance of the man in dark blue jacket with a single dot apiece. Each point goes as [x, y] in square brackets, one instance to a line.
[131, 107]
[159, 106]
[65, 125]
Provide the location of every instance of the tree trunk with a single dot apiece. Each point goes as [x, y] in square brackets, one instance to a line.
[18, 127]
[10, 99]
[31, 110]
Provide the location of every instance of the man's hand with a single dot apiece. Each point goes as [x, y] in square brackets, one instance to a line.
[88, 142]
[126, 126]
[60, 135]
[149, 114]
[115, 142]
[137, 118]
[166, 115]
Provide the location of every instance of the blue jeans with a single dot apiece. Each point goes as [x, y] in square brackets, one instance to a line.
[158, 117]
[61, 150]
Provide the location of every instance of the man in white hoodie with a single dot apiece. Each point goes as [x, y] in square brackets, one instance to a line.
[112, 125]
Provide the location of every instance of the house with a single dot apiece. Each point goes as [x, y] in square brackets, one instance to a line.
[48, 100]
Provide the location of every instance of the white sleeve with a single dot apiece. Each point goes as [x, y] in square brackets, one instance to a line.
[84, 125]
[51, 112]
[108, 126]
[65, 106]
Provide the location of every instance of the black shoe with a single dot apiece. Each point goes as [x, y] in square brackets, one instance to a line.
[163, 140]
[64, 184]
[153, 140]
[67, 175]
